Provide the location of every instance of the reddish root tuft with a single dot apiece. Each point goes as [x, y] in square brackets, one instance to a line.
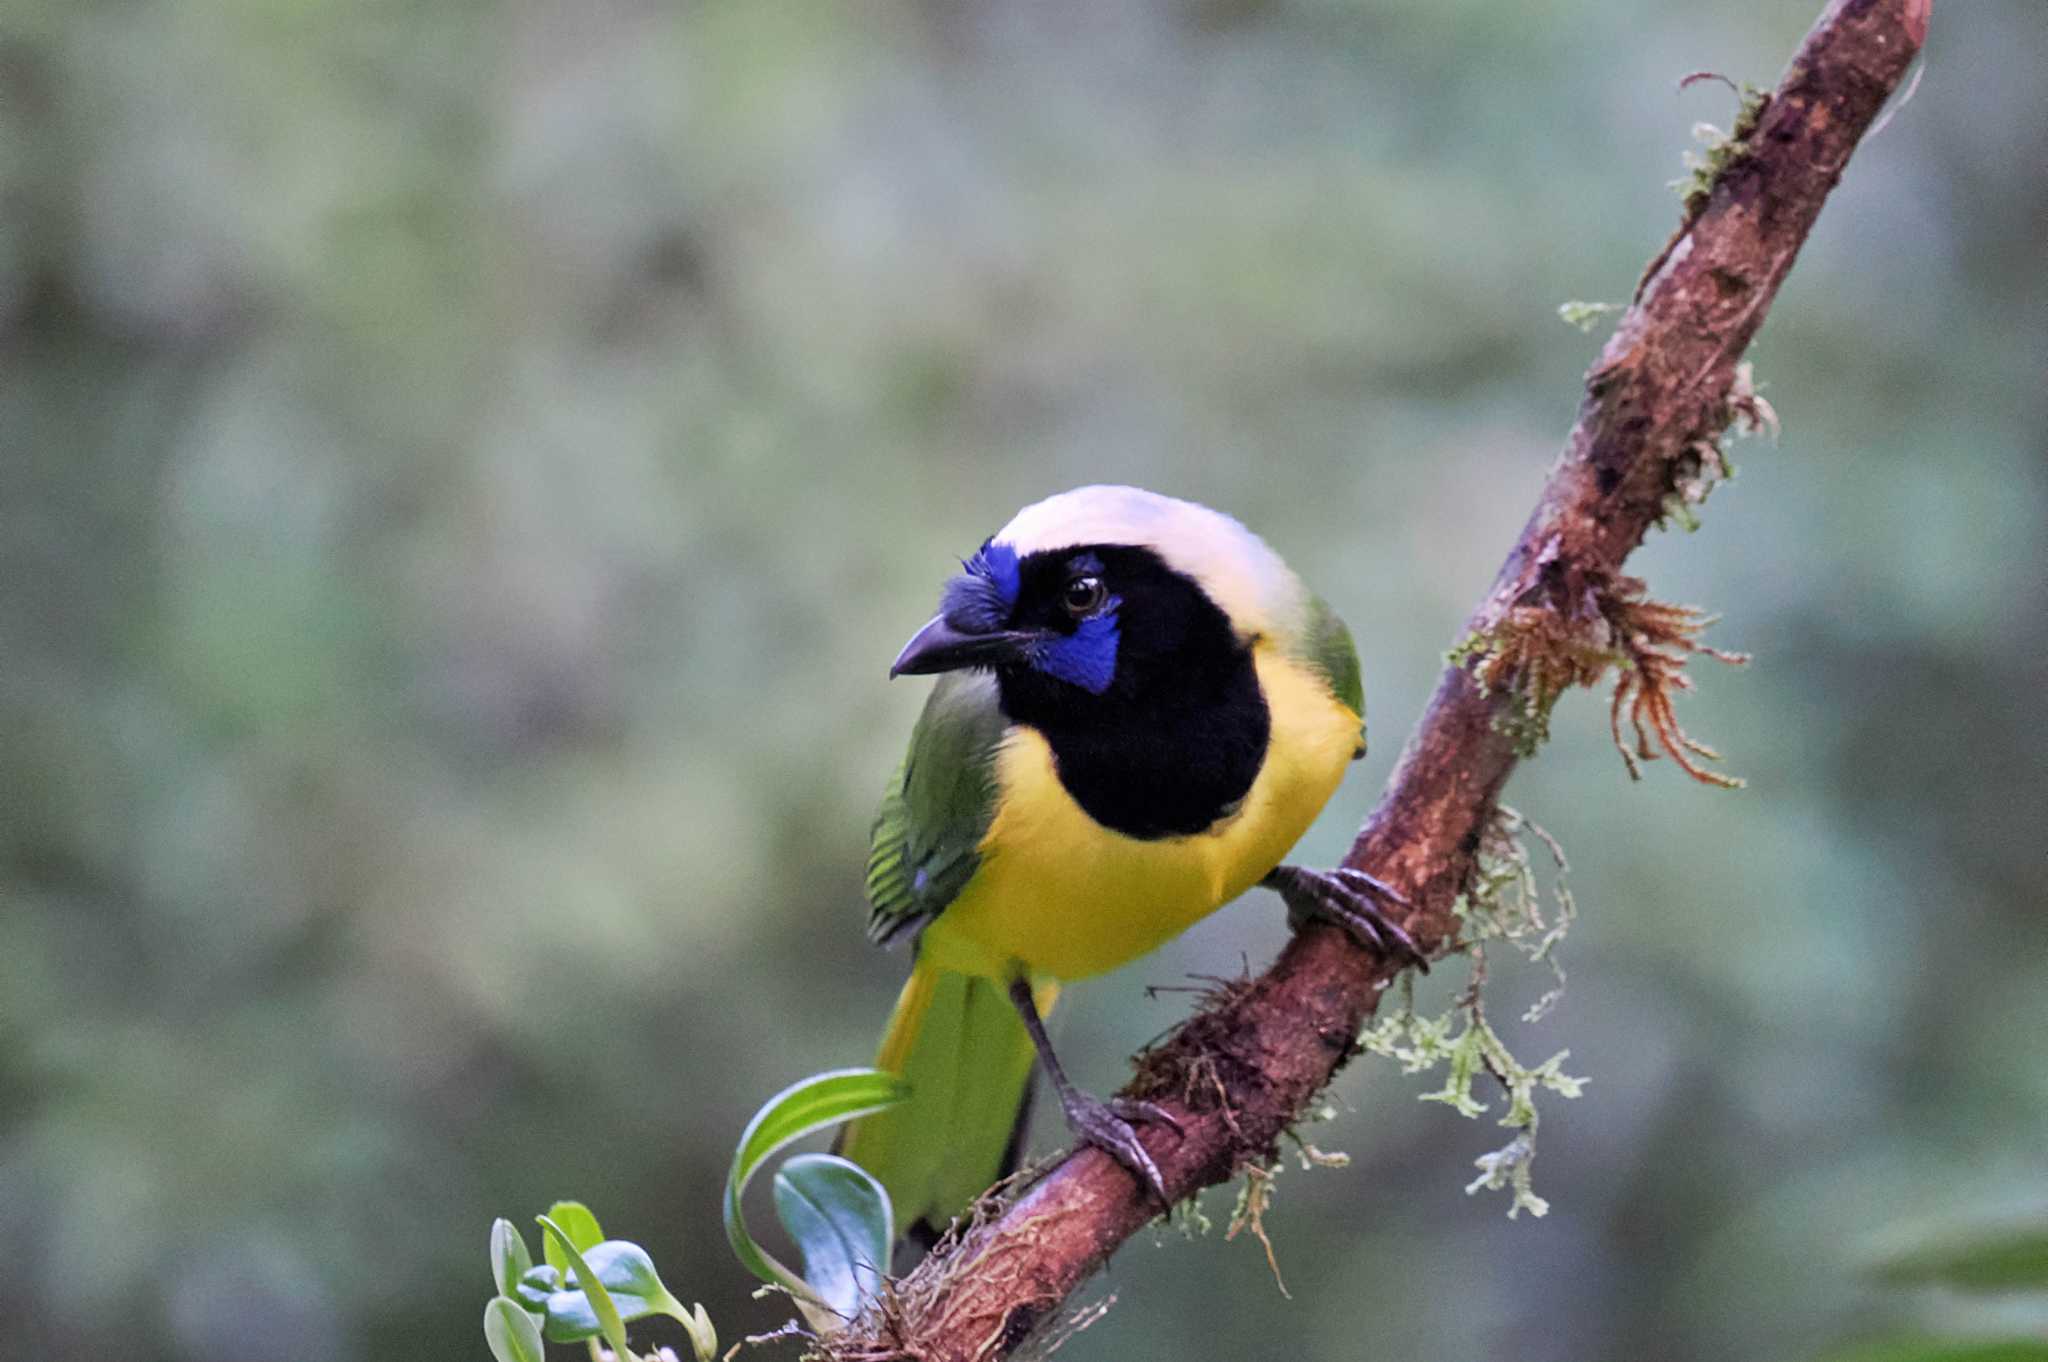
[1657, 640]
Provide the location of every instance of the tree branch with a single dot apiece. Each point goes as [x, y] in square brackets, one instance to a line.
[1240, 1071]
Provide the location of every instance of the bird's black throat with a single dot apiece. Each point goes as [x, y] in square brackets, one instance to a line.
[1177, 739]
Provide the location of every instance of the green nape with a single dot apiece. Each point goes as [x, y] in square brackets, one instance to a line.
[967, 1057]
[1327, 648]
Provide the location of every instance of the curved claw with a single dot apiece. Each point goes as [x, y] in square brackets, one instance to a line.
[1348, 898]
[1371, 884]
[1104, 1125]
[1137, 1109]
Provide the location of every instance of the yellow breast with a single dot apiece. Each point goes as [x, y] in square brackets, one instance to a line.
[1058, 895]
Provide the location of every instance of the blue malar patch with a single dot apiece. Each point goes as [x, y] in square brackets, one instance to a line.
[1086, 657]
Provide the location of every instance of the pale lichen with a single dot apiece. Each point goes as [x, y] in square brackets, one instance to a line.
[1704, 464]
[1503, 905]
[1312, 1156]
[1188, 1217]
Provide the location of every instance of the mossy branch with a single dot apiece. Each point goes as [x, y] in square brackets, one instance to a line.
[1241, 1071]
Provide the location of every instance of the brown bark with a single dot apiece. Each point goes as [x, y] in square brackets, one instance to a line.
[1243, 1069]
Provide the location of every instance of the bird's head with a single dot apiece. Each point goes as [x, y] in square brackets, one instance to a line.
[1099, 594]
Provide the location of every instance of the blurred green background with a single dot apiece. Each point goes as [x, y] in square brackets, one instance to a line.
[464, 471]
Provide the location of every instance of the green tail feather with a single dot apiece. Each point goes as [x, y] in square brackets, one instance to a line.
[968, 1059]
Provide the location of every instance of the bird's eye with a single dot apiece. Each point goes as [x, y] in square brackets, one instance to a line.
[1084, 596]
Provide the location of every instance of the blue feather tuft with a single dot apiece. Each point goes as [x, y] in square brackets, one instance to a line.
[981, 598]
[998, 563]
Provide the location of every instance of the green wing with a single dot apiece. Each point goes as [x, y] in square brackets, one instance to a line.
[956, 1039]
[924, 846]
[1326, 647]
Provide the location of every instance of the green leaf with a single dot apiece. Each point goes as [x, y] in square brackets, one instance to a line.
[2007, 1258]
[839, 1216]
[625, 1273]
[626, 1277]
[799, 1110]
[578, 1224]
[510, 1331]
[509, 1257]
[628, 1273]
[535, 1285]
[1913, 1349]
[600, 1301]
[570, 1318]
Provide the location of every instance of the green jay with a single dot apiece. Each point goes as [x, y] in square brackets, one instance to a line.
[1139, 710]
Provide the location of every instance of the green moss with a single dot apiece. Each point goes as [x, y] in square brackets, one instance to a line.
[1719, 150]
[1525, 722]
[1526, 725]
[1677, 510]
[1531, 658]
[1583, 315]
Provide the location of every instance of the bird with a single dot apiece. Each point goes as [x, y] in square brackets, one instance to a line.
[1139, 710]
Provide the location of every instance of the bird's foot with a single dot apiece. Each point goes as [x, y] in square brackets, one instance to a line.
[1107, 1126]
[1349, 899]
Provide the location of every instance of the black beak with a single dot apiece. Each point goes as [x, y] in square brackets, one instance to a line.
[939, 647]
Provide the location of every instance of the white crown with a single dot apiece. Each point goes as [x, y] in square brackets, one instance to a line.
[1237, 569]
